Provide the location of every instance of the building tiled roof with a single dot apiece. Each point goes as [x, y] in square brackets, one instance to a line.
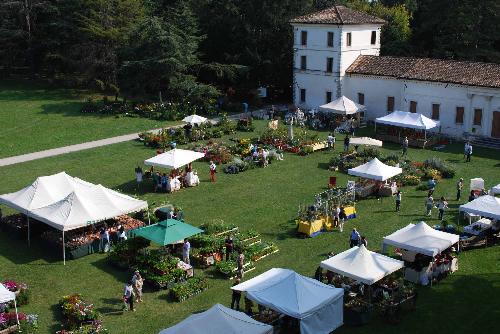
[438, 70]
[338, 15]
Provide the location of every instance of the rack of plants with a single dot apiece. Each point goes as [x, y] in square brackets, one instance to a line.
[263, 256]
[233, 230]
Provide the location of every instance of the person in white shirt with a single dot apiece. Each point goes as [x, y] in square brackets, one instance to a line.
[330, 140]
[185, 251]
[429, 202]
[213, 168]
[398, 201]
[442, 204]
[128, 296]
[355, 238]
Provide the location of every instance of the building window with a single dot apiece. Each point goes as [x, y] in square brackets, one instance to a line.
[302, 95]
[390, 104]
[328, 97]
[478, 116]
[361, 98]
[303, 37]
[459, 116]
[413, 106]
[374, 38]
[435, 111]
[303, 62]
[349, 39]
[329, 65]
[329, 39]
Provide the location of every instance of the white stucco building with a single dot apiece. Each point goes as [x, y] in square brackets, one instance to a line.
[336, 52]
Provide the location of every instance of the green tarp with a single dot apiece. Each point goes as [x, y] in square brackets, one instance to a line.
[167, 232]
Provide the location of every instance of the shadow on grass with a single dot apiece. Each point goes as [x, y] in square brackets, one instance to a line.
[287, 230]
[323, 165]
[114, 306]
[104, 265]
[56, 310]
[17, 251]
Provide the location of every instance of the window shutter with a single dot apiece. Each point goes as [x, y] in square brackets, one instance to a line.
[459, 116]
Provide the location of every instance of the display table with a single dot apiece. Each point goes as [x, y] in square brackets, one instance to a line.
[323, 224]
[387, 191]
[365, 191]
[186, 267]
[478, 227]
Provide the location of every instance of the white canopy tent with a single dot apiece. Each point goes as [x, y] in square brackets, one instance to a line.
[487, 206]
[174, 159]
[342, 106]
[219, 319]
[8, 296]
[375, 170]
[194, 119]
[362, 265]
[365, 141]
[404, 119]
[421, 238]
[67, 203]
[318, 306]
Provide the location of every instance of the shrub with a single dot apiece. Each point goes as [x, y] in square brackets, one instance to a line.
[446, 170]
[369, 152]
[191, 287]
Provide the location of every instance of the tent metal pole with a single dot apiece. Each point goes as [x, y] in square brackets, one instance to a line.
[149, 220]
[64, 249]
[17, 315]
[29, 232]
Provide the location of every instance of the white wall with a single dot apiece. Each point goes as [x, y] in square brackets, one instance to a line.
[315, 79]
[448, 96]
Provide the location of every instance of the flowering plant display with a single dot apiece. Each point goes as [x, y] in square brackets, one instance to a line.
[77, 311]
[21, 290]
[28, 322]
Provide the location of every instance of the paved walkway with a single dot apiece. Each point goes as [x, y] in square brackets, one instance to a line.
[80, 147]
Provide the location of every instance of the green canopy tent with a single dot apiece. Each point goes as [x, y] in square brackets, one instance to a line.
[167, 232]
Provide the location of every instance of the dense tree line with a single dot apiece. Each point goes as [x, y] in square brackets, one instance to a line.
[195, 49]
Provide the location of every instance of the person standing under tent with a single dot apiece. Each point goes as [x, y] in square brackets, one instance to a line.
[442, 205]
[213, 170]
[398, 201]
[186, 247]
[468, 153]
[128, 296]
[429, 202]
[236, 296]
[346, 143]
[405, 146]
[104, 238]
[354, 239]
[122, 236]
[460, 185]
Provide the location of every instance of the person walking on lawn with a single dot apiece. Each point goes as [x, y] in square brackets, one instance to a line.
[213, 170]
[468, 152]
[398, 201]
[442, 205]
[330, 140]
[236, 297]
[355, 238]
[405, 146]
[460, 185]
[346, 143]
[429, 202]
[128, 296]
[137, 282]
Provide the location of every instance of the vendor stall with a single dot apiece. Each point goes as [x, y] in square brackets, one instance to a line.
[486, 206]
[365, 267]
[7, 296]
[400, 124]
[317, 306]
[66, 203]
[377, 171]
[366, 141]
[317, 218]
[426, 251]
[339, 110]
[219, 320]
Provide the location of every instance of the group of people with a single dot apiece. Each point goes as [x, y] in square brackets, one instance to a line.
[356, 239]
[133, 291]
[175, 179]
[105, 239]
[339, 217]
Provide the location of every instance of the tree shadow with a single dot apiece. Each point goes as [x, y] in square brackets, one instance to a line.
[323, 165]
[113, 306]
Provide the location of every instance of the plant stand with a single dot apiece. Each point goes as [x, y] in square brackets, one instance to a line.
[8, 330]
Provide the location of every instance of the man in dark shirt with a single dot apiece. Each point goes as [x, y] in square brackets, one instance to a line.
[236, 297]
[346, 143]
[229, 247]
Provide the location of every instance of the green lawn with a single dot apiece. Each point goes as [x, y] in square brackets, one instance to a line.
[34, 117]
[267, 201]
